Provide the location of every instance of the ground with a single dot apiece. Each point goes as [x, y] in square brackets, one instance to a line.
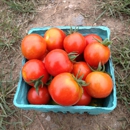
[73, 13]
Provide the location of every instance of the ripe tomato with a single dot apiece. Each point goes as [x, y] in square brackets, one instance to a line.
[54, 38]
[40, 97]
[43, 56]
[57, 61]
[74, 42]
[81, 68]
[85, 99]
[90, 38]
[95, 53]
[64, 89]
[33, 46]
[100, 84]
[33, 70]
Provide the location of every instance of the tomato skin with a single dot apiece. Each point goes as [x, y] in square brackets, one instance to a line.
[85, 99]
[90, 38]
[43, 56]
[100, 84]
[74, 42]
[64, 90]
[33, 70]
[82, 68]
[42, 97]
[57, 61]
[33, 46]
[54, 38]
[95, 53]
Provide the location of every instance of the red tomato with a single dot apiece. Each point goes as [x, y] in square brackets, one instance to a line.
[81, 68]
[95, 53]
[90, 38]
[85, 99]
[100, 84]
[33, 46]
[42, 97]
[33, 70]
[64, 89]
[54, 38]
[57, 61]
[74, 42]
[43, 56]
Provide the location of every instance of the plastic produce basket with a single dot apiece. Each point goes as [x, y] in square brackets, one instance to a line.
[109, 104]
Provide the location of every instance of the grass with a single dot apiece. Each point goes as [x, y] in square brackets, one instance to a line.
[10, 116]
[120, 9]
[121, 59]
[6, 96]
[15, 15]
[8, 30]
[116, 8]
[22, 6]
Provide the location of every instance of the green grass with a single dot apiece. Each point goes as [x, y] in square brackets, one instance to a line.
[120, 9]
[8, 30]
[15, 16]
[116, 8]
[6, 90]
[121, 59]
[22, 6]
[10, 116]
[7, 87]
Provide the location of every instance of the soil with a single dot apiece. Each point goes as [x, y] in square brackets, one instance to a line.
[75, 13]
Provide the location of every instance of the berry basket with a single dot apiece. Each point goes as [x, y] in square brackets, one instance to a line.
[109, 103]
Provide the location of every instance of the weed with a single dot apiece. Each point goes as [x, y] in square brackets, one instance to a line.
[12, 24]
[22, 6]
[8, 30]
[6, 90]
[10, 116]
[14, 18]
[116, 8]
[125, 123]
[121, 59]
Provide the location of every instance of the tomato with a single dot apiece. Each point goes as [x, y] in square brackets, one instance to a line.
[100, 84]
[95, 53]
[81, 68]
[64, 89]
[54, 38]
[85, 99]
[57, 61]
[74, 42]
[43, 56]
[33, 70]
[40, 97]
[33, 46]
[90, 38]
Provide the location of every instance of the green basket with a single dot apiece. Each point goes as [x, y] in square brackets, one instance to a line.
[109, 103]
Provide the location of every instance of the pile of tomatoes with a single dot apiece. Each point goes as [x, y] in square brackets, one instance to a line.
[65, 68]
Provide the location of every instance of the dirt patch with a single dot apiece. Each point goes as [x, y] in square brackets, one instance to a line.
[75, 13]
[59, 121]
